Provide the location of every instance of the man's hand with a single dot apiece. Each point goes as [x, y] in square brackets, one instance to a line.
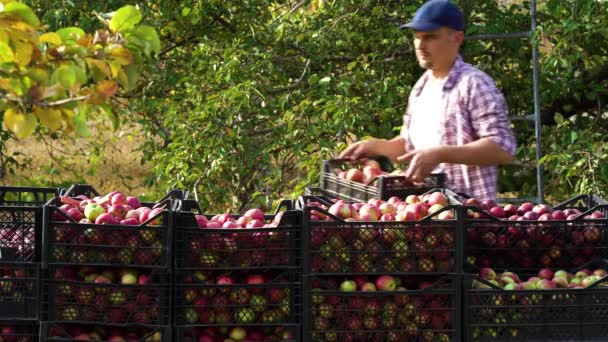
[374, 147]
[362, 149]
[421, 163]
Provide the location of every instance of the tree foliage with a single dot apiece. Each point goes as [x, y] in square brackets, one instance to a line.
[56, 77]
[249, 96]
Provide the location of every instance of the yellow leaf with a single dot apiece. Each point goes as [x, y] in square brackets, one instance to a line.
[6, 53]
[120, 54]
[100, 66]
[51, 118]
[116, 68]
[51, 38]
[23, 125]
[123, 78]
[23, 52]
[3, 36]
[107, 88]
[68, 119]
[23, 31]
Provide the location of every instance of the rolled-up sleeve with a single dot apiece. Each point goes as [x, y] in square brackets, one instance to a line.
[489, 112]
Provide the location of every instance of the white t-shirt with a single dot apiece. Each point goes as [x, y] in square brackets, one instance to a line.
[427, 116]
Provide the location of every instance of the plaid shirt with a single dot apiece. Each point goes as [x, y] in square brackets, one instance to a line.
[474, 109]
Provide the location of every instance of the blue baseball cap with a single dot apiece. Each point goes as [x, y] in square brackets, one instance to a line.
[435, 14]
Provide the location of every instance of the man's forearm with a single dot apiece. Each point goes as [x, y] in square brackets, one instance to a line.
[393, 148]
[480, 152]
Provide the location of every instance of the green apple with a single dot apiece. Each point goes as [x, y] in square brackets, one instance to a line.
[92, 210]
[348, 286]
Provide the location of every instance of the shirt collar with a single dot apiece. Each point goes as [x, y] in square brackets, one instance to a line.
[453, 76]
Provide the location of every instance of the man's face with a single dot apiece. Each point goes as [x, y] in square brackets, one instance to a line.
[436, 49]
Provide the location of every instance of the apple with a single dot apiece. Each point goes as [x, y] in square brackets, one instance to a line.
[386, 283]
[348, 286]
[117, 210]
[354, 175]
[118, 198]
[144, 213]
[368, 287]
[437, 198]
[487, 273]
[237, 333]
[524, 208]
[105, 218]
[373, 212]
[498, 212]
[133, 202]
[128, 278]
[156, 212]
[411, 199]
[93, 210]
[341, 210]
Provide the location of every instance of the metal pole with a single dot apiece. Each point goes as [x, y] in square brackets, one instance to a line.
[537, 122]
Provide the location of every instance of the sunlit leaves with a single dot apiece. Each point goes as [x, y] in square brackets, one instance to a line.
[45, 75]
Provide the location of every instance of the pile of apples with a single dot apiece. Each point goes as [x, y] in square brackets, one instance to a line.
[16, 333]
[383, 236]
[369, 170]
[14, 287]
[248, 240]
[546, 279]
[380, 308]
[235, 334]
[113, 208]
[20, 238]
[531, 236]
[105, 295]
[136, 243]
[215, 298]
[103, 333]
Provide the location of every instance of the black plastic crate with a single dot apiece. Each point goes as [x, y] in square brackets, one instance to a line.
[21, 222]
[90, 192]
[98, 295]
[68, 242]
[19, 291]
[279, 333]
[419, 309]
[383, 187]
[19, 330]
[561, 314]
[238, 248]
[525, 245]
[235, 298]
[51, 331]
[335, 246]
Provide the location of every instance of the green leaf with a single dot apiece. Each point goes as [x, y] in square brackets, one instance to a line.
[559, 119]
[125, 18]
[147, 34]
[107, 109]
[573, 136]
[65, 75]
[70, 35]
[80, 121]
[325, 80]
[22, 11]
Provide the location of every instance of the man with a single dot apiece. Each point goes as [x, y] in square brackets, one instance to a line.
[456, 120]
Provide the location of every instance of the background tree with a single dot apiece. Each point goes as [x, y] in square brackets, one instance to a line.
[249, 96]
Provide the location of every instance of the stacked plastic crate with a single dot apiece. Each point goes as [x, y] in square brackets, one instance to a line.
[107, 280]
[395, 279]
[514, 291]
[20, 241]
[237, 277]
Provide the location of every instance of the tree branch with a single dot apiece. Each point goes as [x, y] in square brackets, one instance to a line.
[293, 85]
[64, 101]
